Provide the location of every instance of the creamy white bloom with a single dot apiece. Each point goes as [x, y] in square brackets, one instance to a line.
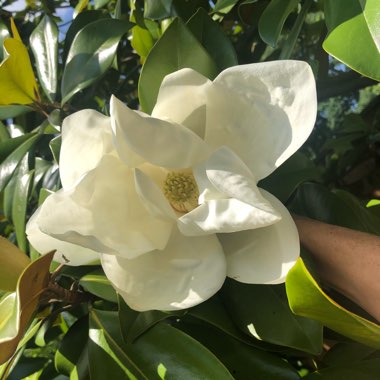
[169, 201]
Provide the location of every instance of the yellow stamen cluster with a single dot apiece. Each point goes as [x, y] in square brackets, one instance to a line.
[181, 191]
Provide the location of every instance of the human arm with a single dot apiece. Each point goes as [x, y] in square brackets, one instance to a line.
[347, 260]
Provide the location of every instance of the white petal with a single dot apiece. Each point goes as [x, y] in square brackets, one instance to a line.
[86, 137]
[157, 141]
[181, 99]
[224, 215]
[230, 176]
[67, 253]
[264, 255]
[187, 272]
[263, 111]
[104, 213]
[152, 197]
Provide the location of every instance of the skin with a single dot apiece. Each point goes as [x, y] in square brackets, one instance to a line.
[346, 260]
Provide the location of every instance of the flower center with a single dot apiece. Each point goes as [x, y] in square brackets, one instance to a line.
[181, 191]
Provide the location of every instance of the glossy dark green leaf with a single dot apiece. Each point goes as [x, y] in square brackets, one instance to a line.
[287, 48]
[7, 112]
[9, 165]
[83, 19]
[9, 191]
[4, 33]
[213, 39]
[24, 181]
[334, 207]
[176, 49]
[44, 44]
[365, 370]
[8, 146]
[306, 298]
[273, 18]
[55, 147]
[215, 314]
[26, 367]
[243, 361]
[161, 350]
[91, 54]
[71, 347]
[349, 26]
[263, 311]
[294, 171]
[97, 283]
[347, 353]
[158, 9]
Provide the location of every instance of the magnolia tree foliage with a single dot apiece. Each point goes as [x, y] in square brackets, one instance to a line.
[151, 153]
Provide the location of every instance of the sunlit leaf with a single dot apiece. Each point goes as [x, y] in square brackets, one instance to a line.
[161, 347]
[306, 298]
[9, 165]
[25, 300]
[263, 312]
[44, 43]
[91, 54]
[17, 82]
[12, 262]
[354, 35]
[71, 347]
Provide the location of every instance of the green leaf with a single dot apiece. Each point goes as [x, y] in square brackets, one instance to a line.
[9, 165]
[273, 18]
[24, 180]
[284, 180]
[338, 207]
[158, 9]
[12, 263]
[213, 39]
[263, 312]
[161, 349]
[291, 40]
[8, 146]
[91, 54]
[353, 35]
[215, 313]
[44, 44]
[7, 112]
[25, 300]
[83, 19]
[242, 360]
[347, 353]
[4, 34]
[55, 147]
[26, 366]
[71, 347]
[17, 82]
[224, 6]
[100, 3]
[142, 41]
[371, 12]
[97, 283]
[306, 298]
[365, 370]
[176, 49]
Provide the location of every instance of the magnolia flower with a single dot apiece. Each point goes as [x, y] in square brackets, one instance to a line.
[169, 202]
